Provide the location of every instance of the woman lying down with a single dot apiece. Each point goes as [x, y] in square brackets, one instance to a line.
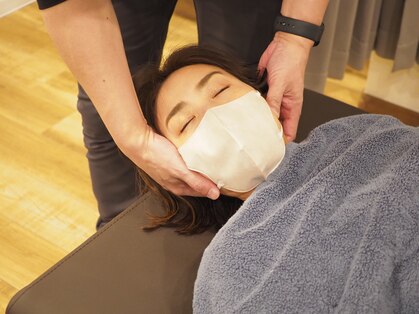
[330, 224]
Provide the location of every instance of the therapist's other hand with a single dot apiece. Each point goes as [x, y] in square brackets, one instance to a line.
[160, 159]
[285, 60]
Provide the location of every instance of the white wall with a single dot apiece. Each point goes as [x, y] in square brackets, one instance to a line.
[400, 87]
[9, 6]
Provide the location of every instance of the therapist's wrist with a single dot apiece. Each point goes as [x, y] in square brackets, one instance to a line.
[137, 140]
[132, 141]
[304, 44]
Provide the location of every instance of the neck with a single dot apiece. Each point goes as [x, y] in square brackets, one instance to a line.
[245, 195]
[241, 195]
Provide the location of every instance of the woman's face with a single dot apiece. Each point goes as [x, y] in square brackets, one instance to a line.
[185, 97]
[188, 93]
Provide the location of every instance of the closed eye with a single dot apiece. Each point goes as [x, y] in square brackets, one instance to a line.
[184, 127]
[221, 90]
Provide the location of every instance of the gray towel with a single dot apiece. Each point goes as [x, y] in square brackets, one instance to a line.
[335, 228]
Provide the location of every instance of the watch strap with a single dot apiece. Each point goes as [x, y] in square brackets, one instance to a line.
[297, 27]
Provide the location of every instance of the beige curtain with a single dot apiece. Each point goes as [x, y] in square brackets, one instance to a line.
[353, 28]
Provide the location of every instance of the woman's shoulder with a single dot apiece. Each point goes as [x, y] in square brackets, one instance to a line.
[361, 124]
[352, 130]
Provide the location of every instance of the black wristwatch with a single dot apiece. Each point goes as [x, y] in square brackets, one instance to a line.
[300, 28]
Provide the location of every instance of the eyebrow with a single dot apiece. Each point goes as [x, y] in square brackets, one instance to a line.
[205, 79]
[179, 106]
[174, 111]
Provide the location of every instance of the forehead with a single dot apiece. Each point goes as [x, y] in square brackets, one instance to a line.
[182, 82]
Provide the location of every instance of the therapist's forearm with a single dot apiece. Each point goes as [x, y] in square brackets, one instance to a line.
[89, 40]
[311, 11]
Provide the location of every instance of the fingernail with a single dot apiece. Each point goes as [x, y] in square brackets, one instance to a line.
[213, 194]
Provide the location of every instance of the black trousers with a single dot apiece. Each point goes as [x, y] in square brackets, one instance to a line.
[240, 27]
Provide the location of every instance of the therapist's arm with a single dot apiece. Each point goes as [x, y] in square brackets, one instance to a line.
[285, 59]
[89, 40]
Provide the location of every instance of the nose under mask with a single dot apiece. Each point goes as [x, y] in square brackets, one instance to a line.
[237, 144]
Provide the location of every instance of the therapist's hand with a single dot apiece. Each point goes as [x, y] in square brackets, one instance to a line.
[285, 60]
[160, 159]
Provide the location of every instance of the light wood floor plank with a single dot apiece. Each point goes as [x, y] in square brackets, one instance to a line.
[6, 290]
[27, 254]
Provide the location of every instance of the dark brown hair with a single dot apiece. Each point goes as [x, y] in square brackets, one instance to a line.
[187, 214]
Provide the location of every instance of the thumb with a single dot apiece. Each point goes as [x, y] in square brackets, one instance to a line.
[202, 185]
[274, 98]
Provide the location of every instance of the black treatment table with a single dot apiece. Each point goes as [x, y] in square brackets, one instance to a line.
[122, 269]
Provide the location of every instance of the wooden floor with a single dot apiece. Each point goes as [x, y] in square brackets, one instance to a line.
[46, 204]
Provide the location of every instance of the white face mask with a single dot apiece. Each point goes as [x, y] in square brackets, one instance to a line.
[237, 145]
